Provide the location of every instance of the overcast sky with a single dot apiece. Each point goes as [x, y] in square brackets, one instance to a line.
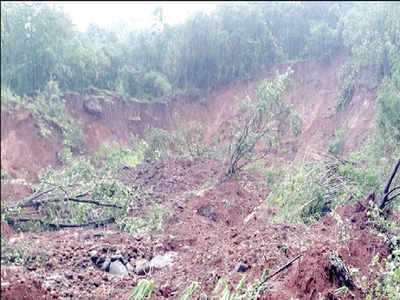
[138, 13]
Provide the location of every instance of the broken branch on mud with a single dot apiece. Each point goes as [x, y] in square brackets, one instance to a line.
[289, 264]
[56, 226]
[31, 203]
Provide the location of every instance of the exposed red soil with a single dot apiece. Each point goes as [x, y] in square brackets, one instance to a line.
[207, 248]
[314, 95]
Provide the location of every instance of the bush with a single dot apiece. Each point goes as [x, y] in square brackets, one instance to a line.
[156, 84]
[336, 146]
[114, 156]
[50, 112]
[389, 113]
[260, 122]
[85, 191]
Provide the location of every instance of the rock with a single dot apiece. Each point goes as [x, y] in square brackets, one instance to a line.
[142, 266]
[203, 297]
[93, 107]
[94, 253]
[118, 268]
[106, 264]
[117, 257]
[208, 211]
[161, 261]
[129, 267]
[241, 267]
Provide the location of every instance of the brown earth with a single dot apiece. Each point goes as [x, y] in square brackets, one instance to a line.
[207, 248]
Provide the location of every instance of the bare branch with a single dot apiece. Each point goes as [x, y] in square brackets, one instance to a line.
[385, 198]
[57, 226]
[27, 202]
[30, 202]
[89, 201]
[281, 268]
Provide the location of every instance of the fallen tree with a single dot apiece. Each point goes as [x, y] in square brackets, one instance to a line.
[387, 195]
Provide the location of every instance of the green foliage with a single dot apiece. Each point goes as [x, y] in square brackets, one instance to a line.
[223, 291]
[153, 222]
[9, 100]
[80, 177]
[143, 290]
[261, 121]
[348, 77]
[86, 189]
[19, 254]
[186, 140]
[370, 34]
[113, 155]
[50, 113]
[389, 113]
[156, 143]
[337, 144]
[304, 191]
[387, 285]
[156, 84]
[189, 291]
[236, 41]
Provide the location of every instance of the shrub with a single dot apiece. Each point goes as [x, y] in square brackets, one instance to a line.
[337, 144]
[80, 193]
[389, 113]
[156, 84]
[260, 122]
[49, 110]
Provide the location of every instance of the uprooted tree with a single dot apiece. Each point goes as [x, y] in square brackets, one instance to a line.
[256, 130]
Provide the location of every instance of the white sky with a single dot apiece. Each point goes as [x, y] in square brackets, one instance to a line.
[137, 13]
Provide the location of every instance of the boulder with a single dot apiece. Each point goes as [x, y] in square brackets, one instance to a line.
[162, 261]
[118, 268]
[208, 211]
[142, 266]
[93, 107]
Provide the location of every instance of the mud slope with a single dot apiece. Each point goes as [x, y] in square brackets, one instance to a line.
[24, 152]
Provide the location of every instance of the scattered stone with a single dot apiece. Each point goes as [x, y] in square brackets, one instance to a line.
[118, 268]
[241, 267]
[161, 261]
[142, 266]
[208, 211]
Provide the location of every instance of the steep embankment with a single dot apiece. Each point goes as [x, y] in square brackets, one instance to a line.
[314, 96]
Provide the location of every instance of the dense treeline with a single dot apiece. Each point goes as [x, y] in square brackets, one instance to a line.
[39, 42]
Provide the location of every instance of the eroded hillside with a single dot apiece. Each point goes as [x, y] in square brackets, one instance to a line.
[212, 229]
[314, 97]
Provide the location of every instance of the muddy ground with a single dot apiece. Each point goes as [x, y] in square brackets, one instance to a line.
[212, 228]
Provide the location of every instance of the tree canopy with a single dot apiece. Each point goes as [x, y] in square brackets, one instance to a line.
[39, 43]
